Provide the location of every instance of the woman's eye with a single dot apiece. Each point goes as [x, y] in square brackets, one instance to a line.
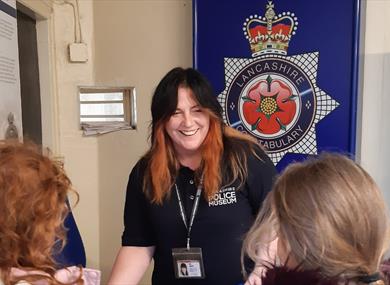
[197, 110]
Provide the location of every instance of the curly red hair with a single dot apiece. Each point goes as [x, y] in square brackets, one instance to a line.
[33, 193]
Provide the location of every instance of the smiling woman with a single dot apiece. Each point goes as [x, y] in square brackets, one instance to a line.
[188, 127]
[194, 193]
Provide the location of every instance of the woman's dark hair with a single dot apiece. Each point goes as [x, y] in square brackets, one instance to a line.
[222, 143]
[164, 101]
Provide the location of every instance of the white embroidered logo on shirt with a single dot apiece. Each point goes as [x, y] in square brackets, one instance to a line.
[224, 196]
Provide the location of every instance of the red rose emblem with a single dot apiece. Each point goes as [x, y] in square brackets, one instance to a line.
[269, 106]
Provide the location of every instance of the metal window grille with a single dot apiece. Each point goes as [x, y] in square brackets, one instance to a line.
[105, 109]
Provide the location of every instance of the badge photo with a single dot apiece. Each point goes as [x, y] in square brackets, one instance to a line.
[188, 263]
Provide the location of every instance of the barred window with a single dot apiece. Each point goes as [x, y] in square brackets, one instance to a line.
[107, 109]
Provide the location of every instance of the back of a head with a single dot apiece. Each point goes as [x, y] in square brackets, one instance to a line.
[33, 191]
[332, 216]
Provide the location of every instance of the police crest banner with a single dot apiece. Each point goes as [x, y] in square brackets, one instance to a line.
[285, 72]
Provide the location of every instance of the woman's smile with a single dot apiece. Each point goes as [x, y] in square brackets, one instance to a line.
[189, 132]
[189, 124]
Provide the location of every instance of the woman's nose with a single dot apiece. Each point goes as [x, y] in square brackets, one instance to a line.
[188, 119]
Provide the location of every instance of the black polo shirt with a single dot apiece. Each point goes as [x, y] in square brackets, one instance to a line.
[218, 228]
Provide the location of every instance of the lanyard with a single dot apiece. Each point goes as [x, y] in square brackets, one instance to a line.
[193, 212]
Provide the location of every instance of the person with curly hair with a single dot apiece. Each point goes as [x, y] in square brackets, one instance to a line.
[33, 195]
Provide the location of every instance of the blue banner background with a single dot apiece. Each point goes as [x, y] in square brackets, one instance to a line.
[328, 27]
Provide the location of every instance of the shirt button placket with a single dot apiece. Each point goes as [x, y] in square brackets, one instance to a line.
[192, 197]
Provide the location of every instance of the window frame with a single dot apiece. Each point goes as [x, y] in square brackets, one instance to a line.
[129, 105]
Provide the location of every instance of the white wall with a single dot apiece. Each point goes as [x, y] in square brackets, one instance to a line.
[136, 43]
[80, 153]
[375, 152]
[121, 52]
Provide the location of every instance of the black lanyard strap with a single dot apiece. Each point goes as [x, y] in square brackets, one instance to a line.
[193, 212]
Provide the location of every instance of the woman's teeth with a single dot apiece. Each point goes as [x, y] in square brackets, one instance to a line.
[189, 133]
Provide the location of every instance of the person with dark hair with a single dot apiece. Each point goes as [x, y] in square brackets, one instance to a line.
[194, 193]
[183, 269]
[33, 195]
[330, 224]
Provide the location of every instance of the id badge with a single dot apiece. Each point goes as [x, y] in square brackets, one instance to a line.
[188, 263]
